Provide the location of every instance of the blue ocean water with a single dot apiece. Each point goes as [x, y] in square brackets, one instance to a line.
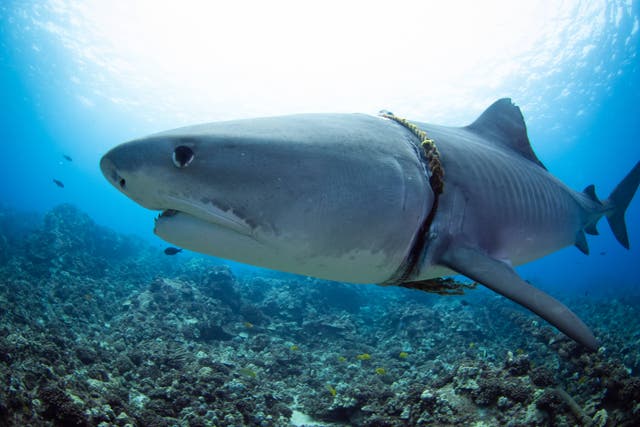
[582, 111]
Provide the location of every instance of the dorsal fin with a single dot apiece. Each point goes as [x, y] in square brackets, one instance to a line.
[502, 123]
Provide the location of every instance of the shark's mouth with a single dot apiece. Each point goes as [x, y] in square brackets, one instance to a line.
[167, 213]
[209, 213]
[217, 236]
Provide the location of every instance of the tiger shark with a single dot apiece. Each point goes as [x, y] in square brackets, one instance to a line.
[349, 197]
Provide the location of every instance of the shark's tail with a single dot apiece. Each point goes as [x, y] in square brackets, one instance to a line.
[617, 204]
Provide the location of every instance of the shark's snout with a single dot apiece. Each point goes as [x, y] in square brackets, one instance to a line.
[110, 171]
[123, 168]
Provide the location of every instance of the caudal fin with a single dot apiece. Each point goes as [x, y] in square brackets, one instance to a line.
[618, 201]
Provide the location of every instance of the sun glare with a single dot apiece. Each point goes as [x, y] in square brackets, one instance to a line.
[204, 60]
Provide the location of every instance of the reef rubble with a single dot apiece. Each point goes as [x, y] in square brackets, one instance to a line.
[101, 329]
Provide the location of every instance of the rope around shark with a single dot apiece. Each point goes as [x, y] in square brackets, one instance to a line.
[431, 153]
[441, 286]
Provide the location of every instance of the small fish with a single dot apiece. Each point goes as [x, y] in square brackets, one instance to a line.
[172, 251]
[464, 302]
[603, 253]
[247, 372]
[58, 183]
[67, 158]
[331, 390]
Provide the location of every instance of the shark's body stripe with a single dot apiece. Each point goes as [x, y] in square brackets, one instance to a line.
[532, 214]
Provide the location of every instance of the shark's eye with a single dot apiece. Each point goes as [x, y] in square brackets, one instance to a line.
[182, 156]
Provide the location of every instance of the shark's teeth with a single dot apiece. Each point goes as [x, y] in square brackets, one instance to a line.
[166, 213]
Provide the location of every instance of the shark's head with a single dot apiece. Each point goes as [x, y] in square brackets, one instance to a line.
[320, 195]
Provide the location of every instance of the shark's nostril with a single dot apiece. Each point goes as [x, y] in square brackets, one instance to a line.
[111, 173]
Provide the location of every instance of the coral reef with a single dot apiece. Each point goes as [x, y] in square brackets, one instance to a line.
[104, 329]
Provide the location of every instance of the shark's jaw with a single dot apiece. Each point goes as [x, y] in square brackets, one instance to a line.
[170, 217]
[208, 214]
[222, 235]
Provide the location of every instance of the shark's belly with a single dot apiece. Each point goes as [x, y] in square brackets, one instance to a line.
[519, 244]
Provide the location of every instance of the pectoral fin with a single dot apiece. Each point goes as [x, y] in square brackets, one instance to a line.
[501, 278]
